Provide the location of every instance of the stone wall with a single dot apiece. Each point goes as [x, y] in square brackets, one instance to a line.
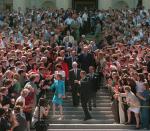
[1, 5]
[146, 4]
[20, 4]
[64, 4]
[106, 4]
[102, 4]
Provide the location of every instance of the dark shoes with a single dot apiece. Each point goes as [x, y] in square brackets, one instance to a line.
[87, 118]
[75, 105]
[128, 123]
[137, 128]
[90, 108]
[94, 106]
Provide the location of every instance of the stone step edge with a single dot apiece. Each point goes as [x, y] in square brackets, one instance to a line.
[89, 126]
[93, 121]
[90, 129]
[93, 125]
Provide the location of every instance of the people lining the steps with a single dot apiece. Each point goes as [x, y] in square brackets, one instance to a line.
[48, 52]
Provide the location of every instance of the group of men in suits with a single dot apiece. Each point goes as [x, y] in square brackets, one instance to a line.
[84, 87]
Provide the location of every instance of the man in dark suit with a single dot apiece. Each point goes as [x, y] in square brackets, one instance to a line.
[86, 59]
[84, 94]
[71, 58]
[93, 84]
[74, 74]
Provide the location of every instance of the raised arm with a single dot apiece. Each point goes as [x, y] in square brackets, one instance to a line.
[52, 87]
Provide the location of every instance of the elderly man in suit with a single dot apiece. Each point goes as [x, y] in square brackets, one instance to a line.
[84, 94]
[74, 74]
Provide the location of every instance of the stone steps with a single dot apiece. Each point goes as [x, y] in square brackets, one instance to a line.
[98, 97]
[81, 116]
[98, 100]
[103, 118]
[81, 112]
[70, 108]
[90, 129]
[98, 104]
[90, 126]
[80, 121]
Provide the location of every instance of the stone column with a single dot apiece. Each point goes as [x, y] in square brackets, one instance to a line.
[64, 4]
[146, 4]
[37, 3]
[104, 4]
[1, 5]
[19, 4]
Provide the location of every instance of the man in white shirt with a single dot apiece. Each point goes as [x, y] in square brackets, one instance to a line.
[85, 23]
[68, 21]
[2, 42]
[68, 40]
[85, 17]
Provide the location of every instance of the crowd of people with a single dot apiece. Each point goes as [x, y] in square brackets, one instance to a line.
[46, 50]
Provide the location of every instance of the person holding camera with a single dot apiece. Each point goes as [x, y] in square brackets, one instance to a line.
[40, 113]
[134, 105]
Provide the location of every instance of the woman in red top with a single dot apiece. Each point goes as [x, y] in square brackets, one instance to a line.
[64, 66]
[29, 105]
[34, 68]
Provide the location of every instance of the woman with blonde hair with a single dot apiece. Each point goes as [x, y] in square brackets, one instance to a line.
[23, 94]
[59, 94]
[134, 105]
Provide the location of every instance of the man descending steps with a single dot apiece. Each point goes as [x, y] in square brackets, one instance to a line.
[73, 116]
[84, 94]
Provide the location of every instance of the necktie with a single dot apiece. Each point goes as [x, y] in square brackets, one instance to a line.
[75, 72]
[91, 75]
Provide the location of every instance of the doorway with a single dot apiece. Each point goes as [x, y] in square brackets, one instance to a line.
[85, 4]
[140, 4]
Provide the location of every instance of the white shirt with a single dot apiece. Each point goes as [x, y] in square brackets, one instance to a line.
[61, 72]
[84, 17]
[139, 86]
[68, 39]
[2, 44]
[21, 99]
[68, 21]
[80, 21]
[75, 71]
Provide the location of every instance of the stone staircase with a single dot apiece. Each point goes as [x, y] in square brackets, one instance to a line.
[103, 118]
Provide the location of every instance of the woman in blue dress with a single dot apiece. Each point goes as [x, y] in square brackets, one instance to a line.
[59, 94]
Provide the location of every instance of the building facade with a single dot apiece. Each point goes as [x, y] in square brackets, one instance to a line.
[76, 4]
[6, 4]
